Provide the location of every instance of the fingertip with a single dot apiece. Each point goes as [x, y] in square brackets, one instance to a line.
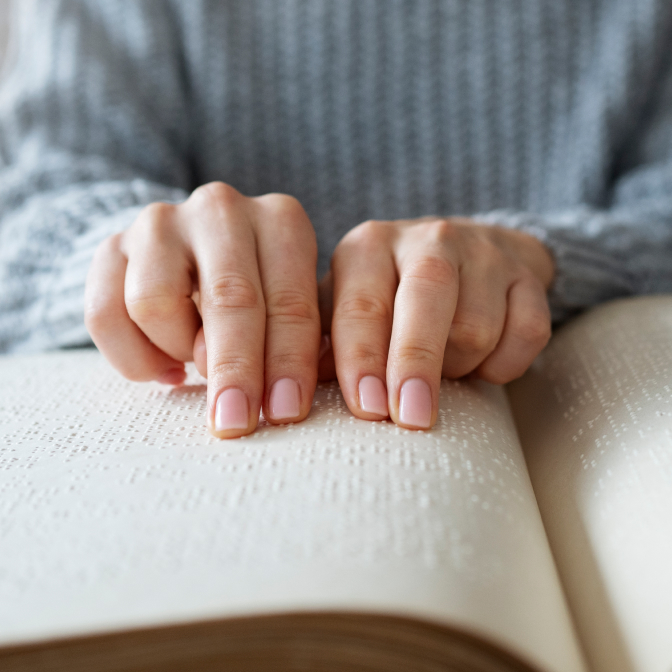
[373, 398]
[416, 406]
[284, 402]
[231, 418]
[231, 434]
[174, 376]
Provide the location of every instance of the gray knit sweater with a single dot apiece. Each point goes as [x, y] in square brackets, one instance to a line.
[553, 116]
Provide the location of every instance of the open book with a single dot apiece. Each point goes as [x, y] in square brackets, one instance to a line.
[132, 540]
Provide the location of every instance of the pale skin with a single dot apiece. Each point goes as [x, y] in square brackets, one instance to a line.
[229, 282]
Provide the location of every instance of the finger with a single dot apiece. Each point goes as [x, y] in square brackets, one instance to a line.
[478, 321]
[287, 250]
[526, 333]
[119, 339]
[159, 283]
[365, 281]
[423, 311]
[232, 307]
[200, 353]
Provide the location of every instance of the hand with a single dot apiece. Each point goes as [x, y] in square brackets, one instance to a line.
[222, 273]
[420, 299]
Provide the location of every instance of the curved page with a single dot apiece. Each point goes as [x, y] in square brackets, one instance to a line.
[120, 511]
[595, 419]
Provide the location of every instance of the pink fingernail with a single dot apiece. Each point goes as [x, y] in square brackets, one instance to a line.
[415, 403]
[231, 410]
[373, 396]
[172, 377]
[285, 400]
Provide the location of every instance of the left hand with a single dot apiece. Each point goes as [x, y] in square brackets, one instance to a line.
[409, 301]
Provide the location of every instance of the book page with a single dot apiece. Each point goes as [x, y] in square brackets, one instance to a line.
[595, 419]
[118, 510]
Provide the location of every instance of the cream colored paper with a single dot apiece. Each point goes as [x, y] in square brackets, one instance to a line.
[118, 510]
[595, 419]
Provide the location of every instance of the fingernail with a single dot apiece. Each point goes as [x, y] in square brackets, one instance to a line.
[415, 403]
[231, 410]
[373, 396]
[285, 400]
[325, 344]
[172, 377]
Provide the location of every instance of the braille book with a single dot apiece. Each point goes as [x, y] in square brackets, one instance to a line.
[530, 529]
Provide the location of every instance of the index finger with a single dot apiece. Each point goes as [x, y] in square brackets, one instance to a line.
[424, 307]
[232, 308]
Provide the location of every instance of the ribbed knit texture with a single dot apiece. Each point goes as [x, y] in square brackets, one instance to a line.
[552, 116]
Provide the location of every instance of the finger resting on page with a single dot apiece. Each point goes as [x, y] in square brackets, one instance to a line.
[287, 250]
[423, 311]
[233, 313]
[365, 282]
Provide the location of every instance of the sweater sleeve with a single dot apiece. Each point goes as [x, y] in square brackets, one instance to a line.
[625, 248]
[92, 129]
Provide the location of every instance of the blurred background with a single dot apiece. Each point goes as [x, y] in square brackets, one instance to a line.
[4, 20]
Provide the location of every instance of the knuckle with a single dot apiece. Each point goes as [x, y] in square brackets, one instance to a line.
[110, 246]
[372, 229]
[365, 308]
[533, 328]
[371, 232]
[215, 195]
[152, 223]
[368, 357]
[105, 253]
[473, 336]
[485, 251]
[440, 230]
[97, 317]
[298, 362]
[230, 291]
[283, 205]
[437, 233]
[291, 304]
[432, 271]
[152, 305]
[287, 227]
[157, 211]
[419, 351]
[287, 221]
[224, 366]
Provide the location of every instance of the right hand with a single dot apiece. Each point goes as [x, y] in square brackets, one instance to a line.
[220, 273]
